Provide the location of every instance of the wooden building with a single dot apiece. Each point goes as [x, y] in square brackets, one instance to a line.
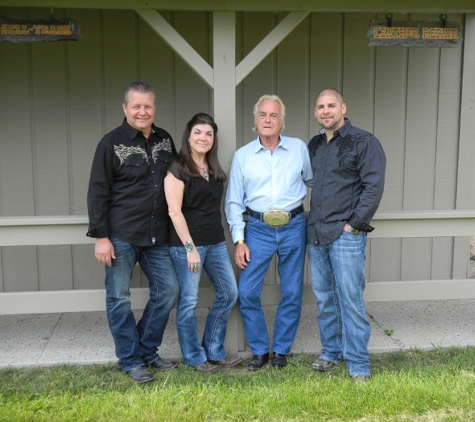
[57, 99]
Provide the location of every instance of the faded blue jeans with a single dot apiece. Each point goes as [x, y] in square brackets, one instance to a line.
[137, 343]
[215, 261]
[289, 243]
[338, 281]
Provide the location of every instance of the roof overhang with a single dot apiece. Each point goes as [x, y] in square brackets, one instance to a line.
[400, 6]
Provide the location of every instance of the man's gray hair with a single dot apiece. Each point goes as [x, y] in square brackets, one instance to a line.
[273, 98]
[140, 86]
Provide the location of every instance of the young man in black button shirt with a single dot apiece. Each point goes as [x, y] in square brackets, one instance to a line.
[128, 216]
[348, 179]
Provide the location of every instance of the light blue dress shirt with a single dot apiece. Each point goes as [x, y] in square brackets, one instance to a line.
[262, 180]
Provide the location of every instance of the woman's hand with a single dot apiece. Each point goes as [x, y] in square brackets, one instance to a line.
[194, 261]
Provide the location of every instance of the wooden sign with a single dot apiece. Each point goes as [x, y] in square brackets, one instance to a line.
[28, 30]
[415, 34]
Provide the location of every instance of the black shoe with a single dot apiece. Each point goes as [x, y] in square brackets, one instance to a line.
[279, 361]
[322, 365]
[140, 374]
[258, 361]
[162, 365]
[226, 362]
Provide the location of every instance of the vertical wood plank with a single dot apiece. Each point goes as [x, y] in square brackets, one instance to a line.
[325, 58]
[358, 71]
[120, 62]
[16, 161]
[85, 104]
[88, 273]
[49, 142]
[293, 65]
[255, 26]
[20, 269]
[55, 268]
[192, 95]
[157, 67]
[466, 159]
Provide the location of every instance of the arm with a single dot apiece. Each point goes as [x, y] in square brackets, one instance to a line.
[234, 203]
[98, 196]
[234, 208]
[371, 168]
[307, 173]
[174, 190]
[99, 191]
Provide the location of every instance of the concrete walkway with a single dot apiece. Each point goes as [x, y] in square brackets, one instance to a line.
[84, 338]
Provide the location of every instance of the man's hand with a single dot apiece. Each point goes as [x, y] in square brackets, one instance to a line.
[104, 251]
[242, 255]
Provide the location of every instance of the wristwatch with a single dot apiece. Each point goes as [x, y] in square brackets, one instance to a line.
[351, 229]
[239, 242]
[189, 246]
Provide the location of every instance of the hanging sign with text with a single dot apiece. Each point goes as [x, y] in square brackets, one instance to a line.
[27, 30]
[415, 34]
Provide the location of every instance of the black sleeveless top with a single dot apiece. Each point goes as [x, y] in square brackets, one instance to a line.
[201, 207]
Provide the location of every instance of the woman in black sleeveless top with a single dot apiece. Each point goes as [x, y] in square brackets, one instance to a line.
[194, 189]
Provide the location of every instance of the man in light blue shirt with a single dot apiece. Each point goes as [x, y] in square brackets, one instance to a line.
[267, 180]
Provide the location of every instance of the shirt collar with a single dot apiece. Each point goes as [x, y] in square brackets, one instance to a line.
[343, 131]
[132, 132]
[283, 142]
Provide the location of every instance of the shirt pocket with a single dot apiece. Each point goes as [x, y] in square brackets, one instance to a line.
[136, 167]
[349, 162]
[164, 157]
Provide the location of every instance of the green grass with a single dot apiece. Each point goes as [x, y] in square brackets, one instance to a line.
[433, 386]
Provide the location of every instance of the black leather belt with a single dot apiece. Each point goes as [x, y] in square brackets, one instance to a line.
[292, 213]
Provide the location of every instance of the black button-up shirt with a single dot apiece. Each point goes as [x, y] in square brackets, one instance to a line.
[348, 182]
[126, 198]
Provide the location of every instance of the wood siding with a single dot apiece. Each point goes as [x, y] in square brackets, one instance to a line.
[58, 99]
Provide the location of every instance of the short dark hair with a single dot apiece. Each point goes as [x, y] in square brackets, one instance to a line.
[333, 91]
[139, 86]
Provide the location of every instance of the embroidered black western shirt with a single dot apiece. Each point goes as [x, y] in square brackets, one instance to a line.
[126, 198]
[348, 182]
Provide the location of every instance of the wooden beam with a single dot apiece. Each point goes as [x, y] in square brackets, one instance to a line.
[401, 6]
[224, 95]
[271, 41]
[52, 230]
[181, 47]
[77, 301]
[466, 168]
[71, 230]
[94, 300]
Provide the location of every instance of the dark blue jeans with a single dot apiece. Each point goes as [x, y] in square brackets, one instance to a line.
[289, 242]
[137, 343]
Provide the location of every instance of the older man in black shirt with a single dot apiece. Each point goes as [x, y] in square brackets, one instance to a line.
[348, 180]
[128, 216]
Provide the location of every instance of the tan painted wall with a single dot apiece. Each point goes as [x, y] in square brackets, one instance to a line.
[58, 99]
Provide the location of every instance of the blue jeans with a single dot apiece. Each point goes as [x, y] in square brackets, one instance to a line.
[137, 343]
[216, 263]
[289, 242]
[338, 281]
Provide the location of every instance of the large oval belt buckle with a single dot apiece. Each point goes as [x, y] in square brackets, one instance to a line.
[276, 218]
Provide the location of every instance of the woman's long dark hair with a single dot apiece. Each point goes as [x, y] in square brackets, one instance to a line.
[184, 158]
